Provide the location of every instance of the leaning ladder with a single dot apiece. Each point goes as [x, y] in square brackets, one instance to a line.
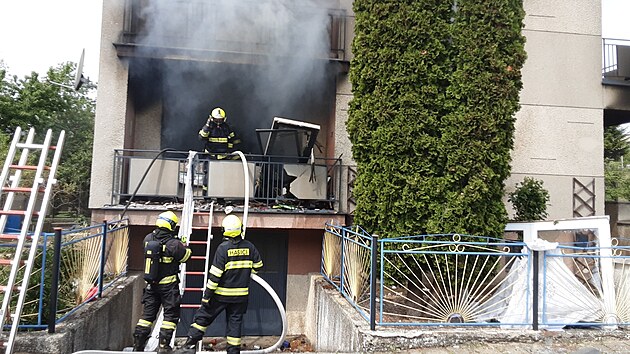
[24, 251]
[185, 233]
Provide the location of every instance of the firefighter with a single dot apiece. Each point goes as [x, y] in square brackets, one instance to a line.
[161, 275]
[227, 288]
[219, 138]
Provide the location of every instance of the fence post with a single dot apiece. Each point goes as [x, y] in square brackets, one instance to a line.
[54, 282]
[373, 275]
[103, 258]
[535, 290]
[343, 243]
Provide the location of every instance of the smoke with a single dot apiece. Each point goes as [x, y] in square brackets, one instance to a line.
[255, 59]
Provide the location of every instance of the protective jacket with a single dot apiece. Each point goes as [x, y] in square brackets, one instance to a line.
[229, 275]
[218, 138]
[164, 292]
[174, 252]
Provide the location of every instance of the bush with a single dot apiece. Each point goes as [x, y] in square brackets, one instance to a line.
[529, 200]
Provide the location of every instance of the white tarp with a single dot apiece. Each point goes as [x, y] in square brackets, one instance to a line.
[563, 297]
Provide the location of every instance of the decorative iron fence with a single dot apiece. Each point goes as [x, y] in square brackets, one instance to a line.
[577, 289]
[463, 280]
[72, 268]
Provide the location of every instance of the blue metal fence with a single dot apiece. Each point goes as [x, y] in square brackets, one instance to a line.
[430, 280]
[74, 267]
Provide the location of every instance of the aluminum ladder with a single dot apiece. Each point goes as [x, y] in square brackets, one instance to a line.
[185, 232]
[42, 178]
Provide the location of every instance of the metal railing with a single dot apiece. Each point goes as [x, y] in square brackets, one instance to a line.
[278, 182]
[616, 61]
[73, 267]
[461, 280]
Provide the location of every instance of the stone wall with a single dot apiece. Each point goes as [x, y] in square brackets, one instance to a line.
[106, 323]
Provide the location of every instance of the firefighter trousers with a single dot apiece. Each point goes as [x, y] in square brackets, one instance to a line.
[154, 296]
[209, 311]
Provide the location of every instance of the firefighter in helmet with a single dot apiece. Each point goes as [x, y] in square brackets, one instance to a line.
[164, 252]
[219, 138]
[227, 288]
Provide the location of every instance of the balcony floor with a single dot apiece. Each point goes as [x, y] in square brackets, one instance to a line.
[282, 216]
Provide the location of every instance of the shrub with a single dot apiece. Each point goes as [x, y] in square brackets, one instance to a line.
[529, 200]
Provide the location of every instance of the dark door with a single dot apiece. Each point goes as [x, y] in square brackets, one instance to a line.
[262, 317]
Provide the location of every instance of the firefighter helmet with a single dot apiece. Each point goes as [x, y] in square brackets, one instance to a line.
[232, 226]
[167, 220]
[218, 115]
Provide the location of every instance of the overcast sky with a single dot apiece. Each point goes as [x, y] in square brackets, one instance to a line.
[38, 34]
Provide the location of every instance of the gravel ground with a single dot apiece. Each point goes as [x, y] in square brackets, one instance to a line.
[299, 344]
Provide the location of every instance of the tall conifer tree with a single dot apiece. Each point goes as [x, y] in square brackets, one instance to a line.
[435, 87]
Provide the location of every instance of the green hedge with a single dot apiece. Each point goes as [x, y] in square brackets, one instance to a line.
[432, 119]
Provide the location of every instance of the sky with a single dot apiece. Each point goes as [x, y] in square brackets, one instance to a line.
[38, 34]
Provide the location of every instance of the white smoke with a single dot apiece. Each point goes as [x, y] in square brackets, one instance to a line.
[256, 59]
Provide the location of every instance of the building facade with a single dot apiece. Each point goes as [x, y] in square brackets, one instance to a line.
[163, 67]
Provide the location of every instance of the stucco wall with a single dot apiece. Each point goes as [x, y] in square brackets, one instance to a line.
[559, 129]
[111, 105]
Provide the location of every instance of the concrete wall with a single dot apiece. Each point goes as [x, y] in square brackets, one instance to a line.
[105, 323]
[559, 129]
[335, 326]
[111, 105]
[617, 97]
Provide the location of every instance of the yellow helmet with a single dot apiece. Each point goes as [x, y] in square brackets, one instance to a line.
[218, 114]
[232, 226]
[167, 220]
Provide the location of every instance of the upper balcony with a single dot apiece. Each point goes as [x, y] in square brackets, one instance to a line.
[616, 68]
[242, 31]
[616, 81]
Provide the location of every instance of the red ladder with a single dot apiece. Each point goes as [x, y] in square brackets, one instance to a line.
[22, 255]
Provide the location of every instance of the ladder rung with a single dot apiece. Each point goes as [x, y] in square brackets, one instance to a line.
[5, 261]
[193, 289]
[34, 146]
[27, 167]
[198, 257]
[22, 189]
[189, 306]
[197, 242]
[11, 236]
[16, 212]
[195, 273]
[4, 287]
[200, 228]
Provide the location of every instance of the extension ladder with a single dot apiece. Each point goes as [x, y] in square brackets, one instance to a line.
[42, 177]
[196, 245]
[185, 232]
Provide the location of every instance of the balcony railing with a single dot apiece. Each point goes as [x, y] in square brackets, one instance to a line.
[616, 61]
[238, 27]
[274, 182]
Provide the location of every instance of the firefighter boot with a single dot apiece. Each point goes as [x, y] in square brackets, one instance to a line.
[190, 347]
[139, 341]
[165, 346]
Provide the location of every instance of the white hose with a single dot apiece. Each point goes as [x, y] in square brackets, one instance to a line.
[246, 182]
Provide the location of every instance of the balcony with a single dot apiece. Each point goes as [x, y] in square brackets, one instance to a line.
[239, 31]
[616, 58]
[156, 179]
[616, 81]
